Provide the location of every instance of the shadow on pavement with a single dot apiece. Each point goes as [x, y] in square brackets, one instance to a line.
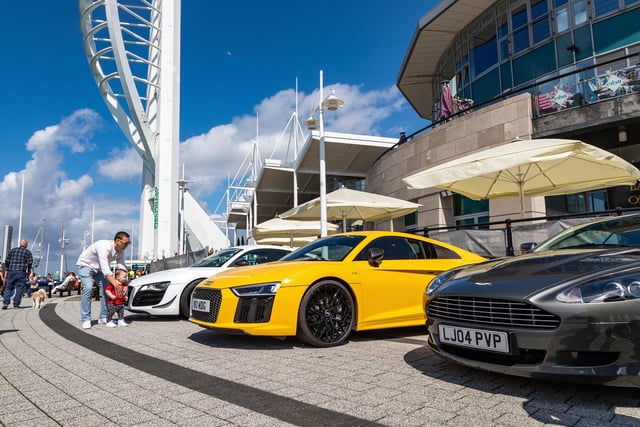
[543, 401]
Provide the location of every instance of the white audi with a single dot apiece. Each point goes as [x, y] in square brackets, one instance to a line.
[168, 292]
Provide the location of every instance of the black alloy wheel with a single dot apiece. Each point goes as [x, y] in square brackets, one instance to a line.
[326, 314]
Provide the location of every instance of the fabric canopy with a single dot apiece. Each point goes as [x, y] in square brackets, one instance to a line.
[344, 204]
[529, 168]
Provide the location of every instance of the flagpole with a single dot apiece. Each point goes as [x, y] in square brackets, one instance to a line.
[21, 204]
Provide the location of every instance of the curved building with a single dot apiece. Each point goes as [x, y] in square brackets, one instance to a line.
[487, 72]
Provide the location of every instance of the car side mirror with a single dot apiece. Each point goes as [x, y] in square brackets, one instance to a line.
[375, 256]
[241, 263]
[527, 247]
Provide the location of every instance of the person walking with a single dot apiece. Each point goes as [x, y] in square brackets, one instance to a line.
[18, 265]
[94, 268]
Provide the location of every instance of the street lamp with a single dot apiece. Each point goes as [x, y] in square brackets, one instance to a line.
[331, 103]
[182, 186]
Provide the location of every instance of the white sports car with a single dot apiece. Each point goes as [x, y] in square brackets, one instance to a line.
[168, 292]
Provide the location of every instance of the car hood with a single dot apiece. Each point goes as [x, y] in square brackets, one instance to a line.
[279, 271]
[176, 275]
[521, 276]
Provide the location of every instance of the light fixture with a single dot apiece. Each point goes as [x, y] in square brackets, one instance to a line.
[332, 102]
[311, 123]
[622, 133]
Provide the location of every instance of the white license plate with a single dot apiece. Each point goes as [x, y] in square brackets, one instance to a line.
[200, 305]
[474, 338]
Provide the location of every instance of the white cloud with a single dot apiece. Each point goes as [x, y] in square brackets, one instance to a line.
[52, 193]
[211, 159]
[123, 165]
[58, 191]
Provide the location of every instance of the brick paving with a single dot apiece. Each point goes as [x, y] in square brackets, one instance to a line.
[165, 372]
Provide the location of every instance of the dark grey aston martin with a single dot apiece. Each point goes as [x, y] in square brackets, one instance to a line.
[569, 311]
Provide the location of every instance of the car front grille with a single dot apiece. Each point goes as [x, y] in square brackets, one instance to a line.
[214, 296]
[491, 311]
[254, 310]
[145, 297]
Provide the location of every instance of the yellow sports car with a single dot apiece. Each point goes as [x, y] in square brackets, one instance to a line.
[323, 291]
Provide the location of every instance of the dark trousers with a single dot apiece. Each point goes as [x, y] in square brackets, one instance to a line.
[16, 283]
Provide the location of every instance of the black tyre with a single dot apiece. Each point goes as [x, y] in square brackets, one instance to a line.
[185, 298]
[326, 314]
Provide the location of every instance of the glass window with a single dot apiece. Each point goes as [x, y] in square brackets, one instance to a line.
[520, 40]
[562, 20]
[541, 30]
[519, 17]
[503, 25]
[598, 200]
[411, 219]
[484, 51]
[465, 206]
[602, 7]
[558, 3]
[538, 8]
[579, 12]
[628, 2]
[504, 49]
[393, 247]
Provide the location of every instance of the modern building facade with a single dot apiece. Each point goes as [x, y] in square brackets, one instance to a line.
[487, 72]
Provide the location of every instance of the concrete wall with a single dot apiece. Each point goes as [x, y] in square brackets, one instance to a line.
[489, 126]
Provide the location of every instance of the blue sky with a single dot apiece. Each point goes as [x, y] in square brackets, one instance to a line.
[239, 59]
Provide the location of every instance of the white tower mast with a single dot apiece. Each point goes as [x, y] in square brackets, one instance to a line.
[134, 56]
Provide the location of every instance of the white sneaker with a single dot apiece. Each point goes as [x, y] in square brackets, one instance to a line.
[111, 324]
[102, 321]
[121, 322]
[86, 324]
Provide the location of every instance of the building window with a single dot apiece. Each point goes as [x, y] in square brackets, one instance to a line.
[602, 7]
[579, 13]
[484, 51]
[411, 220]
[589, 201]
[470, 212]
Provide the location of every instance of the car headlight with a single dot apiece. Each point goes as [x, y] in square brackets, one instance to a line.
[155, 287]
[259, 290]
[438, 281]
[620, 286]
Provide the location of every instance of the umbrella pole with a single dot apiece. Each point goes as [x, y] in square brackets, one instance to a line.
[521, 191]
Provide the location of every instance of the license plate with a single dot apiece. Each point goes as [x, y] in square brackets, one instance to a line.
[474, 338]
[200, 305]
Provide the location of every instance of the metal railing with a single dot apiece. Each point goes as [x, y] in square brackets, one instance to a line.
[473, 236]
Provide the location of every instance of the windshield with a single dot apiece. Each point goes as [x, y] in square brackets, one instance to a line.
[218, 259]
[618, 231]
[332, 248]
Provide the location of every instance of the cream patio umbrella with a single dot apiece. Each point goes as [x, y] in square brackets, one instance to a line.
[293, 242]
[279, 230]
[529, 168]
[344, 204]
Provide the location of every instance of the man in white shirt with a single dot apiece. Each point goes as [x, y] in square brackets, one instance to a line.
[94, 267]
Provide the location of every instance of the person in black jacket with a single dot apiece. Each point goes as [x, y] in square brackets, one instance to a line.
[18, 265]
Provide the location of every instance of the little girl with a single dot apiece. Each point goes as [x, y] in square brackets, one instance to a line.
[117, 295]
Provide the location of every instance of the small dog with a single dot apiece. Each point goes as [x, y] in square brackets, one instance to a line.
[38, 297]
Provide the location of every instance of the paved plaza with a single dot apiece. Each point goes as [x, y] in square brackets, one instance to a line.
[164, 372]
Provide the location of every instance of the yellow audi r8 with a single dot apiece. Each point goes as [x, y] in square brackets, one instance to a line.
[320, 293]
